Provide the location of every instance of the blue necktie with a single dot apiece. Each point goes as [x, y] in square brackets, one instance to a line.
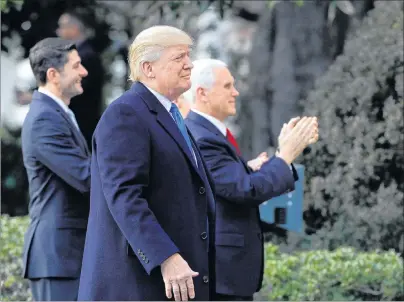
[181, 125]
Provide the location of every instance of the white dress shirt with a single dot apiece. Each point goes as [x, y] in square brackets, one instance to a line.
[61, 104]
[55, 98]
[219, 125]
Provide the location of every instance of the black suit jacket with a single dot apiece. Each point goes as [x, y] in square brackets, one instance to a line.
[57, 162]
[239, 192]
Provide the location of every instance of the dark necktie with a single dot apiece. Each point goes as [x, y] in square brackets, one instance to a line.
[232, 140]
[181, 125]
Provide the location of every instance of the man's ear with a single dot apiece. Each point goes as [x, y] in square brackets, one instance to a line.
[201, 93]
[147, 69]
[52, 74]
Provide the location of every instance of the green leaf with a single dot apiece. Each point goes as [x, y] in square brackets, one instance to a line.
[299, 3]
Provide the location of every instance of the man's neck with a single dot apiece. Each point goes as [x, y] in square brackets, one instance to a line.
[169, 94]
[205, 110]
[56, 93]
[221, 126]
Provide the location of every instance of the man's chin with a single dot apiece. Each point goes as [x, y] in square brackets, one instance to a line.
[76, 93]
[185, 88]
[187, 84]
[79, 91]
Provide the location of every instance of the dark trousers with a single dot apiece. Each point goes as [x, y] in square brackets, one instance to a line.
[54, 289]
[221, 297]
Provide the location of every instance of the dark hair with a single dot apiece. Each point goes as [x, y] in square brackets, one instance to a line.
[49, 53]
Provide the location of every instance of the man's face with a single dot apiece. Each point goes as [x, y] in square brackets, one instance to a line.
[172, 70]
[69, 79]
[221, 98]
[66, 29]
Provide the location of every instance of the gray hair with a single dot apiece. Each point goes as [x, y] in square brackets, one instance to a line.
[202, 75]
[49, 53]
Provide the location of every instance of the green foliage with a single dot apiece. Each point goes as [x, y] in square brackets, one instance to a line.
[6, 4]
[344, 274]
[12, 287]
[355, 171]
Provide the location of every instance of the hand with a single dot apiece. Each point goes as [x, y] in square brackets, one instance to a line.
[293, 141]
[177, 276]
[314, 138]
[256, 163]
[288, 127]
[292, 123]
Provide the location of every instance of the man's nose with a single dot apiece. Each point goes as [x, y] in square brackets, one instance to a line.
[84, 72]
[188, 63]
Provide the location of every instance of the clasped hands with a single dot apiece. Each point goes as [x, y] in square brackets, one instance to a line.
[294, 137]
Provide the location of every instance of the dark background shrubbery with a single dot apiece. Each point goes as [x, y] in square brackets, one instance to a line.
[355, 174]
[12, 286]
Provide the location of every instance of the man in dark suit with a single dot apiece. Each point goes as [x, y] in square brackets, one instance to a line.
[57, 161]
[87, 106]
[151, 217]
[240, 186]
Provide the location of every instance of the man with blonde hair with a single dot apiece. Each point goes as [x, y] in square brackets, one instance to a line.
[240, 186]
[151, 222]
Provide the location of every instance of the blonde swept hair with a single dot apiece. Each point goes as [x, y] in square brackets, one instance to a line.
[149, 44]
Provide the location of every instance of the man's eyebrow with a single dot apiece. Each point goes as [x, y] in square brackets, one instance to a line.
[229, 82]
[180, 53]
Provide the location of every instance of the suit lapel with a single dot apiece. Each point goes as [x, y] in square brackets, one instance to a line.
[166, 121]
[51, 103]
[199, 119]
[76, 132]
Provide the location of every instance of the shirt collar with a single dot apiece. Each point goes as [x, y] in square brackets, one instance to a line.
[162, 99]
[218, 124]
[55, 98]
